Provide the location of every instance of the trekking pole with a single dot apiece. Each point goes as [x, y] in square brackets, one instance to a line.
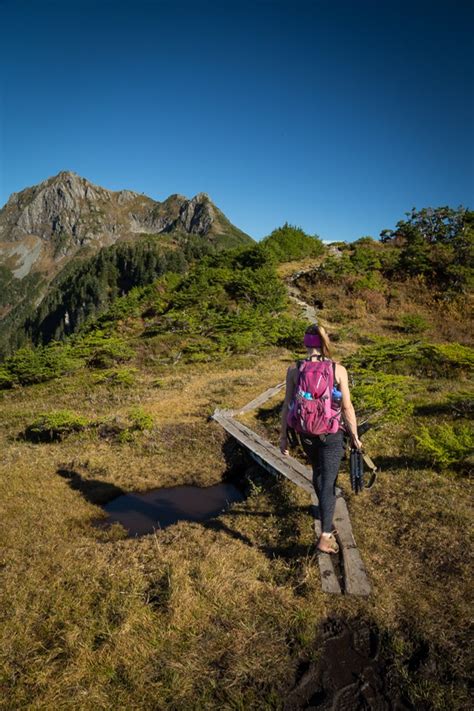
[356, 470]
[357, 460]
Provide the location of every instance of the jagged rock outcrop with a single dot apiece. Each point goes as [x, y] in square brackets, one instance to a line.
[68, 212]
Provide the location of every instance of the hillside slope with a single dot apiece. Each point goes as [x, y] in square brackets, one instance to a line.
[51, 231]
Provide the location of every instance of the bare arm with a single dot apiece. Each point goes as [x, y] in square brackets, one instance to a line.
[348, 412]
[291, 378]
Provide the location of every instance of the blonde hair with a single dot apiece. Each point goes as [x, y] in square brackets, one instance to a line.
[316, 330]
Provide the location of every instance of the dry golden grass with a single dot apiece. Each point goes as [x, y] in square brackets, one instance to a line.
[214, 615]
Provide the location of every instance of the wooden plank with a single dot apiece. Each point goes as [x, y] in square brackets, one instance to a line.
[356, 580]
[266, 453]
[329, 581]
[256, 402]
[288, 460]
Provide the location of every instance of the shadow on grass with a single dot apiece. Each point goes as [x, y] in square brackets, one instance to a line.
[269, 414]
[392, 463]
[454, 409]
[93, 490]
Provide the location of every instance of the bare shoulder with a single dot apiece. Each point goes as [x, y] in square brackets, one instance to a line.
[341, 373]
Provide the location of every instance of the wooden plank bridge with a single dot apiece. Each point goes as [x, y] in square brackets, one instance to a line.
[343, 573]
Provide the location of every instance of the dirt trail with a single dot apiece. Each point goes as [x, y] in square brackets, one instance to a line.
[311, 313]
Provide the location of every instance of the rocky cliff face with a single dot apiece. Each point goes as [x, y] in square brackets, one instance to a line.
[66, 220]
[43, 226]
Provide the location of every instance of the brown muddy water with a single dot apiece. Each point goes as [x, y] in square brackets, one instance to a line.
[153, 510]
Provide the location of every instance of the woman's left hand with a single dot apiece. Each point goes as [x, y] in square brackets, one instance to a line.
[356, 443]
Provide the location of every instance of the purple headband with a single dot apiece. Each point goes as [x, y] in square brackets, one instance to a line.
[312, 340]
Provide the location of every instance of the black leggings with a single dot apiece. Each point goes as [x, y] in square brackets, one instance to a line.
[325, 454]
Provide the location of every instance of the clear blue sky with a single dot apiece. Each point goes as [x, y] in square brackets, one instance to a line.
[334, 116]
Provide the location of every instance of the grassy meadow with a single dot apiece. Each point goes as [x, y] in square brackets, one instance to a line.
[223, 614]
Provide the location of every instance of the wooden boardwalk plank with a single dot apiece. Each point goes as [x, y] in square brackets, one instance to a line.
[256, 402]
[355, 576]
[329, 581]
[264, 452]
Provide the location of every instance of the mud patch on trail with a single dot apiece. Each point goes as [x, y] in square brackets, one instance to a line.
[351, 673]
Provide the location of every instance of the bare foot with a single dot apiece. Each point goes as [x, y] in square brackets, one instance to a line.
[327, 544]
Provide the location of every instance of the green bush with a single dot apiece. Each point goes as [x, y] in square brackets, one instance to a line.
[373, 392]
[54, 426]
[7, 380]
[140, 420]
[36, 365]
[290, 243]
[457, 404]
[124, 377]
[372, 281]
[447, 446]
[100, 350]
[413, 323]
[119, 429]
[461, 403]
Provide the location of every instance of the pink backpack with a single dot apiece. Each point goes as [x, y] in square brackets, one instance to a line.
[311, 410]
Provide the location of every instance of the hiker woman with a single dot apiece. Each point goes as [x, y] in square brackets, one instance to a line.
[317, 395]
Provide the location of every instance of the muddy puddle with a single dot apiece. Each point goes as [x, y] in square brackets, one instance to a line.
[153, 510]
[353, 673]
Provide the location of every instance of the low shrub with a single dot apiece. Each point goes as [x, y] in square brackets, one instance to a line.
[140, 420]
[457, 404]
[7, 380]
[100, 350]
[413, 323]
[124, 377]
[54, 426]
[36, 365]
[126, 429]
[461, 403]
[415, 358]
[447, 445]
[373, 392]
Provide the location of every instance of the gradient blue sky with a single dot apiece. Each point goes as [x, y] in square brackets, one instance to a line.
[334, 116]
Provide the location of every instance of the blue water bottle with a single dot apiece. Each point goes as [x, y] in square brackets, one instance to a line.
[336, 398]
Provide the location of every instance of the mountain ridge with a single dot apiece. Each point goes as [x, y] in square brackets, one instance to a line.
[66, 212]
[66, 219]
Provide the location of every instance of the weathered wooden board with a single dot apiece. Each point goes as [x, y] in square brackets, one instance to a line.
[355, 576]
[266, 453]
[267, 395]
[329, 581]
